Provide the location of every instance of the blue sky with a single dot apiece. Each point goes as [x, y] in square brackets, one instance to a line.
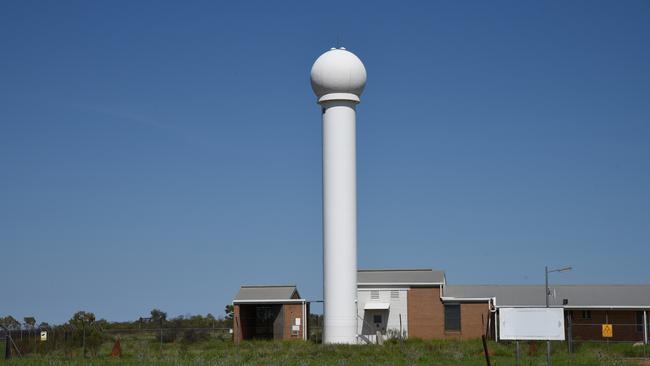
[159, 154]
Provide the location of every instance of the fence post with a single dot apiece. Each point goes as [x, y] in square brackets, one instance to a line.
[570, 335]
[7, 346]
[645, 333]
[486, 351]
[83, 323]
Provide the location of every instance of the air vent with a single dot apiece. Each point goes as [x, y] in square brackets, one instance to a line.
[394, 294]
[374, 295]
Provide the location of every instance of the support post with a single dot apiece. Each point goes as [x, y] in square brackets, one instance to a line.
[645, 333]
[517, 353]
[548, 343]
[83, 325]
[7, 345]
[570, 332]
[496, 325]
[486, 351]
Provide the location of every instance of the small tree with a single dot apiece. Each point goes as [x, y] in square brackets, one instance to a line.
[30, 321]
[158, 316]
[230, 314]
[10, 322]
[80, 321]
[82, 318]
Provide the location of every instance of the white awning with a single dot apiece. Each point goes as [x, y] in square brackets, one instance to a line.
[377, 306]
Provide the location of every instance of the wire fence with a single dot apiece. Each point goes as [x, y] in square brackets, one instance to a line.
[620, 333]
[93, 341]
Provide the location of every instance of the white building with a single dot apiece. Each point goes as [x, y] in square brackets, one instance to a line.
[382, 300]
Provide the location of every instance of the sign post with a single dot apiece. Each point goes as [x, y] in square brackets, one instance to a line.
[532, 324]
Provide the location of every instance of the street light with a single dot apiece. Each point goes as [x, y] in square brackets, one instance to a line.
[565, 269]
[547, 292]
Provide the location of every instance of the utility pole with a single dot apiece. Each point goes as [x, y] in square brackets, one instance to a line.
[548, 342]
[547, 292]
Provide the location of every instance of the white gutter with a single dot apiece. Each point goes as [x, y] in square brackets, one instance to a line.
[446, 298]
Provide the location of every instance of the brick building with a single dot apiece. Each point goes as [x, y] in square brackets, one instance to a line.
[586, 307]
[409, 302]
[418, 303]
[269, 312]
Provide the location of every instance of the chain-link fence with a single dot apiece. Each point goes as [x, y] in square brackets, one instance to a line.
[93, 341]
[607, 333]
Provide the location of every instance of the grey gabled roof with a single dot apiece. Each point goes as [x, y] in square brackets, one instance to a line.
[632, 296]
[413, 277]
[271, 293]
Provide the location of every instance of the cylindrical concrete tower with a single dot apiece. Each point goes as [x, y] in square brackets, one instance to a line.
[338, 78]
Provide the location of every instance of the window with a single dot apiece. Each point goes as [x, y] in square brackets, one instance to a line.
[374, 295]
[452, 317]
[394, 294]
[376, 318]
[586, 314]
[639, 321]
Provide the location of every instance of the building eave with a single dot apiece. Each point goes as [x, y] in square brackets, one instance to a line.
[408, 284]
[270, 301]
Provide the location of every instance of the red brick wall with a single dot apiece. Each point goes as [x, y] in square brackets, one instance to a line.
[426, 316]
[623, 321]
[291, 312]
[473, 319]
[236, 325]
[425, 313]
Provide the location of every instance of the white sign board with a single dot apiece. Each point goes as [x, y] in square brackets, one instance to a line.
[43, 336]
[531, 324]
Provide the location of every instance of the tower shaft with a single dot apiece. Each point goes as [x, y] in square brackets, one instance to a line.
[339, 221]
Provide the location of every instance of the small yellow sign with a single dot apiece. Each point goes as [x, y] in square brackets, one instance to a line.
[608, 331]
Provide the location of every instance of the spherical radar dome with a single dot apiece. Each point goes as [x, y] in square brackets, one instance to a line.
[338, 74]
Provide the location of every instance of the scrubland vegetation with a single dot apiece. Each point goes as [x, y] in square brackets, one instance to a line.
[145, 349]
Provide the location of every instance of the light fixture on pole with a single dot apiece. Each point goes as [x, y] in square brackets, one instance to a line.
[546, 294]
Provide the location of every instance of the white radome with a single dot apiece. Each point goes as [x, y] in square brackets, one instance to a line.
[338, 74]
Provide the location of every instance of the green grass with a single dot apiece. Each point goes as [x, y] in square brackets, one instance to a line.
[141, 350]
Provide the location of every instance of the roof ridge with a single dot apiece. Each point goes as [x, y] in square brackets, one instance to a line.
[258, 286]
[399, 270]
[558, 284]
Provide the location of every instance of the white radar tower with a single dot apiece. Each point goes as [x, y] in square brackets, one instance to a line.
[338, 78]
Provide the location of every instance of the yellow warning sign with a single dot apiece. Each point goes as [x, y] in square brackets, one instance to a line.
[608, 331]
